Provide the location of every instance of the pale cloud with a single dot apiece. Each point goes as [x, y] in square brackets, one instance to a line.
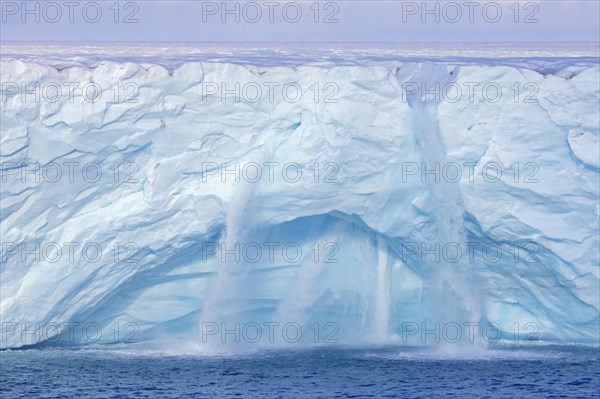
[373, 20]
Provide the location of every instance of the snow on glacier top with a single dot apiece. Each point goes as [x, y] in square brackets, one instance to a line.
[540, 56]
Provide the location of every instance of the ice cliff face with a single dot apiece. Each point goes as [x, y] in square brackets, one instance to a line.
[359, 200]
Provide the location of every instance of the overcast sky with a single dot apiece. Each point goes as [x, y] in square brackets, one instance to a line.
[348, 20]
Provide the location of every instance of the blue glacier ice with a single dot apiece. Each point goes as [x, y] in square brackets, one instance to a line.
[368, 218]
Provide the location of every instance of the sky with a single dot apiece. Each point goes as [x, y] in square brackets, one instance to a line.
[293, 21]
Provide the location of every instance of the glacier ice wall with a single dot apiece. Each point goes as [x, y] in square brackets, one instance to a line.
[373, 216]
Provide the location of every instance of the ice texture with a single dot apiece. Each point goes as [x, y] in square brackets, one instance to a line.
[372, 211]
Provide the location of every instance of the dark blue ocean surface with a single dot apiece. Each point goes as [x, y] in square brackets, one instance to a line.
[532, 372]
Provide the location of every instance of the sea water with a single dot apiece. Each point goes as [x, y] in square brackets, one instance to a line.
[385, 372]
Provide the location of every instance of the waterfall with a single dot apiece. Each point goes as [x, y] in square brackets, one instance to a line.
[224, 298]
[453, 288]
[382, 295]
